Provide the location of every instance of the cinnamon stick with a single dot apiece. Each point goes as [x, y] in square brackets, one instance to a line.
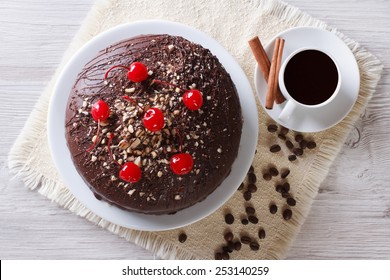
[272, 78]
[265, 66]
[260, 56]
[279, 98]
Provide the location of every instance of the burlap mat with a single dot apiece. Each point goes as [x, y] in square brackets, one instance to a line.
[231, 23]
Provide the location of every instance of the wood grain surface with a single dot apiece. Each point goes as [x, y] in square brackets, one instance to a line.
[350, 218]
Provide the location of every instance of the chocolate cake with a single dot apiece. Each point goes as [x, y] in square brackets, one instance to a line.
[153, 124]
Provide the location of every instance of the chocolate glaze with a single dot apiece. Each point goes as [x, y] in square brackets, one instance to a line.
[211, 135]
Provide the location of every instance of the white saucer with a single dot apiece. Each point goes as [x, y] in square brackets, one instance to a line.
[337, 109]
[61, 154]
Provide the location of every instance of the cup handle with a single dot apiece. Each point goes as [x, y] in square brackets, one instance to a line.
[287, 111]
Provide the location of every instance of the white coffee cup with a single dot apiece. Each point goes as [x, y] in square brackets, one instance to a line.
[292, 104]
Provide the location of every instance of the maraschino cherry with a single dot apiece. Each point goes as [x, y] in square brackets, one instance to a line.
[181, 163]
[153, 118]
[130, 172]
[137, 72]
[100, 112]
[192, 98]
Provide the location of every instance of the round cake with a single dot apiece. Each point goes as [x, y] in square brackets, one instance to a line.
[153, 124]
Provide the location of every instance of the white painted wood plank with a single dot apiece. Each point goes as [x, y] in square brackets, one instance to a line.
[350, 217]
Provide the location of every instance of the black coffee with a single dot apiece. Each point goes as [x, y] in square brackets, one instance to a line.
[311, 77]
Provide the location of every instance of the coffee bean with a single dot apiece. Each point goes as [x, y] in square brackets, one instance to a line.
[272, 128]
[292, 157]
[251, 169]
[253, 219]
[261, 233]
[279, 188]
[225, 256]
[273, 171]
[285, 195]
[284, 130]
[244, 221]
[218, 256]
[273, 209]
[291, 201]
[252, 188]
[298, 137]
[303, 144]
[282, 136]
[241, 187]
[298, 151]
[287, 214]
[250, 210]
[247, 195]
[245, 239]
[311, 145]
[267, 176]
[252, 178]
[254, 246]
[226, 249]
[237, 245]
[289, 144]
[228, 236]
[182, 237]
[285, 173]
[229, 219]
[285, 187]
[230, 246]
[275, 148]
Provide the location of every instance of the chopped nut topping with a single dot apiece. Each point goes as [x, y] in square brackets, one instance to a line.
[177, 197]
[130, 90]
[219, 150]
[93, 158]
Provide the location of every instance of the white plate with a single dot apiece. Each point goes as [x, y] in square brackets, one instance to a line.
[331, 114]
[61, 154]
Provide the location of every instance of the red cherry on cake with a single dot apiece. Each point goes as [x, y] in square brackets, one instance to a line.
[181, 164]
[137, 72]
[153, 119]
[100, 111]
[193, 99]
[130, 172]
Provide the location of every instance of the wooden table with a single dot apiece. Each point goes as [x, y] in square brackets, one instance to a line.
[349, 219]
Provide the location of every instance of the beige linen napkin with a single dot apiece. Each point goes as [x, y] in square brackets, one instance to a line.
[231, 23]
